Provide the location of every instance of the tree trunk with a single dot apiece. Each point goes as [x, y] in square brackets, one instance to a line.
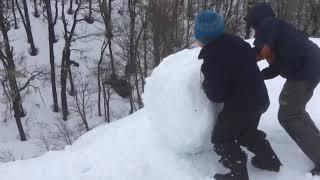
[51, 50]
[90, 8]
[56, 16]
[89, 18]
[70, 11]
[26, 22]
[11, 75]
[65, 64]
[131, 66]
[63, 79]
[99, 75]
[250, 5]
[36, 13]
[72, 89]
[156, 49]
[14, 14]
[106, 102]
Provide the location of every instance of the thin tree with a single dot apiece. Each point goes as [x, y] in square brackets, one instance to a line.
[36, 12]
[250, 5]
[106, 13]
[70, 11]
[8, 63]
[66, 53]
[27, 25]
[51, 50]
[99, 74]
[89, 18]
[14, 14]
[81, 100]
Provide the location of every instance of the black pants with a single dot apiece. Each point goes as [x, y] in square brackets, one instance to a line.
[234, 129]
[295, 119]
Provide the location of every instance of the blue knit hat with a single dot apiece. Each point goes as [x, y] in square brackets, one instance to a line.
[208, 27]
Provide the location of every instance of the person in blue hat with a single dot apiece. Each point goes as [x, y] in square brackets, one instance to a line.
[232, 77]
[297, 59]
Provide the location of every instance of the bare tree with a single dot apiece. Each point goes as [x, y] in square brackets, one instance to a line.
[51, 50]
[89, 18]
[81, 99]
[70, 11]
[66, 62]
[6, 58]
[36, 12]
[106, 14]
[106, 102]
[99, 75]
[14, 14]
[66, 134]
[250, 5]
[27, 25]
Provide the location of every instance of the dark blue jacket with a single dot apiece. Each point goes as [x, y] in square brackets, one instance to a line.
[231, 75]
[296, 57]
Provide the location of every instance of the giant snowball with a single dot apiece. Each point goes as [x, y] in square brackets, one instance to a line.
[179, 112]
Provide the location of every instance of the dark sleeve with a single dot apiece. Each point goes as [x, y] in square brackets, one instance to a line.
[270, 72]
[266, 34]
[214, 81]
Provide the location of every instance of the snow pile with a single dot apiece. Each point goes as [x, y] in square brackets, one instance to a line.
[167, 140]
[178, 110]
[136, 147]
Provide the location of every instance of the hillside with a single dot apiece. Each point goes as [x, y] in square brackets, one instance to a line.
[168, 139]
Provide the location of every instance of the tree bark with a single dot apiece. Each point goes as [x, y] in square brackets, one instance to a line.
[36, 12]
[51, 50]
[63, 80]
[70, 11]
[65, 63]
[11, 75]
[14, 14]
[89, 18]
[250, 5]
[27, 25]
[99, 75]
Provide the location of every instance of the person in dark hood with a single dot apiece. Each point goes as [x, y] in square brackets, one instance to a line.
[297, 59]
[235, 80]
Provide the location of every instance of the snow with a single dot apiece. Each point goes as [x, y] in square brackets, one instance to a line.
[166, 140]
[179, 92]
[41, 123]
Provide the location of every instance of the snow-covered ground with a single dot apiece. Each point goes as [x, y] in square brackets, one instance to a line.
[166, 140]
[43, 127]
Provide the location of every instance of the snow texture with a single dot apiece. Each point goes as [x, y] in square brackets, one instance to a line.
[187, 128]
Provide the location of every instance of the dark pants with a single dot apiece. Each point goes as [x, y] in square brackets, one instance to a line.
[295, 119]
[234, 129]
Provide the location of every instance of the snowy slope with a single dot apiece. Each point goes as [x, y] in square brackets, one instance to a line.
[41, 124]
[167, 140]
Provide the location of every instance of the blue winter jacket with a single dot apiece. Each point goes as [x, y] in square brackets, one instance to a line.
[296, 57]
[231, 75]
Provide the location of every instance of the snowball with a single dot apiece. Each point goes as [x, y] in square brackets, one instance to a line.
[179, 112]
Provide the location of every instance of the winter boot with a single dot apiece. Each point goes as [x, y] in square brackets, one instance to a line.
[237, 173]
[237, 163]
[315, 171]
[266, 158]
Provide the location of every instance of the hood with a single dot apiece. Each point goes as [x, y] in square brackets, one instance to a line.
[258, 13]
